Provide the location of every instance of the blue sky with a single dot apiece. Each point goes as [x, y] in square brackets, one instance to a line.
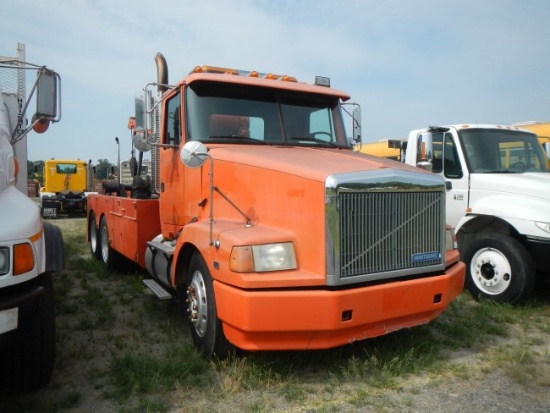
[408, 64]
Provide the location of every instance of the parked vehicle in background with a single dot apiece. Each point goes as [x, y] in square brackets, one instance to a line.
[67, 184]
[265, 225]
[498, 202]
[128, 170]
[541, 129]
[29, 250]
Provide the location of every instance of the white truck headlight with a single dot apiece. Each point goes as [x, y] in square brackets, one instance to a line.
[262, 258]
[545, 226]
[4, 261]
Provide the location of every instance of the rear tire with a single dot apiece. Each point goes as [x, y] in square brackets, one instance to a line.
[28, 365]
[108, 255]
[499, 268]
[93, 233]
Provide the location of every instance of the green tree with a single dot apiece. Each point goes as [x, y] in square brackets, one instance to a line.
[35, 170]
[103, 169]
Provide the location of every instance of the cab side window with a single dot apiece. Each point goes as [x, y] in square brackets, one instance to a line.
[173, 121]
[451, 163]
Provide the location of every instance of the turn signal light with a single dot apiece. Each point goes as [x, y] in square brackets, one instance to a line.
[23, 259]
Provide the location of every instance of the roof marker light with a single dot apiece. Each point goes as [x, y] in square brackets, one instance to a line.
[215, 69]
[322, 81]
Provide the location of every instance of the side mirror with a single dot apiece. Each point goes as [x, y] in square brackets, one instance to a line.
[193, 154]
[46, 95]
[425, 165]
[46, 101]
[357, 124]
[140, 141]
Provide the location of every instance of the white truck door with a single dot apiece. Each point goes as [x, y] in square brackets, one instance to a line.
[438, 150]
[455, 173]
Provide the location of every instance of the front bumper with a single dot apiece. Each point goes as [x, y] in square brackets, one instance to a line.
[321, 319]
[20, 312]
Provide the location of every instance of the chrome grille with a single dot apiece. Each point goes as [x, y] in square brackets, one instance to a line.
[383, 224]
[382, 231]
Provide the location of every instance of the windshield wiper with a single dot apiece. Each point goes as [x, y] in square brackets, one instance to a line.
[247, 139]
[314, 139]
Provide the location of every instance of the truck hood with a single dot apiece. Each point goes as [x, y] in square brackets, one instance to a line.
[533, 185]
[310, 163]
[21, 216]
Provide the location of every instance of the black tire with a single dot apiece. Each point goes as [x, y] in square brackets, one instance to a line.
[499, 268]
[28, 365]
[107, 254]
[200, 305]
[95, 242]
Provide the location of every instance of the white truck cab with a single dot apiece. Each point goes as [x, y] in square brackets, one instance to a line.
[30, 250]
[498, 202]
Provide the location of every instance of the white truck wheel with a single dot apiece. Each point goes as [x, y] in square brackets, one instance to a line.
[499, 268]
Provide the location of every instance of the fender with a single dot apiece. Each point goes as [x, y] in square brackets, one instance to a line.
[228, 234]
[520, 212]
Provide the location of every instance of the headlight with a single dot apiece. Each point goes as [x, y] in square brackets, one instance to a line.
[4, 260]
[545, 226]
[261, 258]
[450, 239]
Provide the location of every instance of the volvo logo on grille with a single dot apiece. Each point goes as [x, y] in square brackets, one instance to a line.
[426, 256]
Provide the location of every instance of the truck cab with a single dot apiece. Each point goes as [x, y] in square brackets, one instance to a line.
[30, 250]
[497, 199]
[265, 226]
[66, 185]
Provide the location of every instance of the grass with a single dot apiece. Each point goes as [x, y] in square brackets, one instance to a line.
[120, 350]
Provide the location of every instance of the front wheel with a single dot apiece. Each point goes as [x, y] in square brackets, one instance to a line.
[499, 268]
[206, 327]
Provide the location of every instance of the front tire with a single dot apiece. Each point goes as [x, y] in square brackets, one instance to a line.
[206, 327]
[499, 268]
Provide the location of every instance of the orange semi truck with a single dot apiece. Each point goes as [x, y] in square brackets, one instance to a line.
[267, 228]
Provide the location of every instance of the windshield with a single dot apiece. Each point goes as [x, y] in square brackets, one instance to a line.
[225, 113]
[502, 151]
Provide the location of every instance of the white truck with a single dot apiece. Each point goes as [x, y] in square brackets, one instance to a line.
[128, 169]
[30, 250]
[498, 202]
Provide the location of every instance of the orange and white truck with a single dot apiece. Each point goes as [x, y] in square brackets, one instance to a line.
[265, 225]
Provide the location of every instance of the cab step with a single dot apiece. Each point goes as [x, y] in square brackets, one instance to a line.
[156, 288]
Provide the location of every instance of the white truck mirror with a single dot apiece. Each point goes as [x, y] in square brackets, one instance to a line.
[46, 94]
